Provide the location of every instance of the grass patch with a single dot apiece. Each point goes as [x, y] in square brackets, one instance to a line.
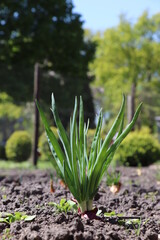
[157, 162]
[6, 164]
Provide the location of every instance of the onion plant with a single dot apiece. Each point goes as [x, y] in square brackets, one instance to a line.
[83, 173]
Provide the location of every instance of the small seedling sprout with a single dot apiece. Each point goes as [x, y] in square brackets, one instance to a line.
[64, 206]
[52, 190]
[9, 218]
[113, 178]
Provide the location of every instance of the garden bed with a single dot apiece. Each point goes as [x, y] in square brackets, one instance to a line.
[138, 202]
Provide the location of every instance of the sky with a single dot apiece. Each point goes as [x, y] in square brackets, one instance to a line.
[99, 15]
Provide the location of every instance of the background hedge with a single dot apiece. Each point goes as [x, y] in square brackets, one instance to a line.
[139, 148]
[18, 146]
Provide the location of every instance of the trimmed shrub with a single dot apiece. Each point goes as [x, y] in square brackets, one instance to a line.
[139, 148]
[18, 146]
[43, 146]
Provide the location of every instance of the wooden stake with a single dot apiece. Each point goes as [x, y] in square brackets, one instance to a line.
[36, 123]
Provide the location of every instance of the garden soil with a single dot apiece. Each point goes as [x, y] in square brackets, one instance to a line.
[29, 192]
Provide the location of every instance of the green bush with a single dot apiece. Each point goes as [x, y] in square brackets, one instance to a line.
[45, 153]
[18, 146]
[139, 148]
[8, 109]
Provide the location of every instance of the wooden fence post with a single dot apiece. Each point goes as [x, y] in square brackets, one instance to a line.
[36, 121]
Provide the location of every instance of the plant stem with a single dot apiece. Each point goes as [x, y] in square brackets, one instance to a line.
[89, 205]
[83, 206]
[86, 205]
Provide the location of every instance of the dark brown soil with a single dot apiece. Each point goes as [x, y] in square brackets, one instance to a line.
[29, 192]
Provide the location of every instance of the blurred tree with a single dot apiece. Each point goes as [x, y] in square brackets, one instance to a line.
[127, 59]
[48, 32]
[8, 109]
[10, 117]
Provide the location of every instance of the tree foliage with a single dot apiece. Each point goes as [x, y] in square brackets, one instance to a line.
[38, 31]
[8, 109]
[129, 54]
[48, 32]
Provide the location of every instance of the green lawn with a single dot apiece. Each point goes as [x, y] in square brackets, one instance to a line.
[5, 164]
[158, 162]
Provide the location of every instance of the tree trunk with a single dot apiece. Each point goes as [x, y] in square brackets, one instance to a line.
[131, 103]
